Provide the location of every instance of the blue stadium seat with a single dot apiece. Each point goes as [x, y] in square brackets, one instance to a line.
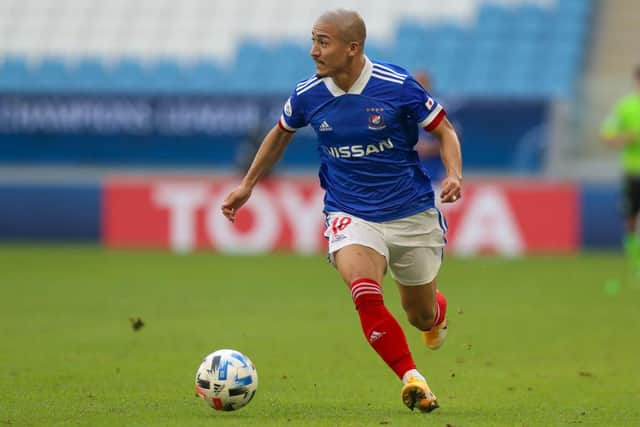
[90, 75]
[52, 74]
[531, 21]
[577, 10]
[203, 76]
[15, 74]
[377, 53]
[500, 53]
[129, 75]
[251, 55]
[294, 64]
[410, 30]
[166, 75]
[492, 19]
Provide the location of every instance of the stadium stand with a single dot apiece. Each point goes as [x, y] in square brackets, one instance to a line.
[92, 89]
[508, 48]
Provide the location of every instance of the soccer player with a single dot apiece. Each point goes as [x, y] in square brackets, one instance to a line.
[379, 203]
[622, 130]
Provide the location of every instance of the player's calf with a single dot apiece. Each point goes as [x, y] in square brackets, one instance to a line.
[434, 337]
[422, 318]
[380, 328]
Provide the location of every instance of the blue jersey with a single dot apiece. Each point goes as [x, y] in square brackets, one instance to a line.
[366, 140]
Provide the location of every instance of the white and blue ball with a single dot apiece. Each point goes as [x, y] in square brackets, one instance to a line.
[226, 380]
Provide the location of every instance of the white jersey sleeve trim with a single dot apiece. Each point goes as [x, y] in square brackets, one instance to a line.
[389, 79]
[426, 122]
[383, 72]
[301, 85]
[389, 70]
[285, 125]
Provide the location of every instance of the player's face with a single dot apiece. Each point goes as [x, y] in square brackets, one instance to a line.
[330, 53]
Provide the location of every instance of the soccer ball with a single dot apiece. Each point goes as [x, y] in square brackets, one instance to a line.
[226, 380]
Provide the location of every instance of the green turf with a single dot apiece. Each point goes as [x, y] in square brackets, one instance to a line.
[545, 341]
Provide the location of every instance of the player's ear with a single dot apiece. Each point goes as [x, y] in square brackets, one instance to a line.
[354, 48]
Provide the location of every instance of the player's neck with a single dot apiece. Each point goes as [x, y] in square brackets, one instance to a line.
[345, 79]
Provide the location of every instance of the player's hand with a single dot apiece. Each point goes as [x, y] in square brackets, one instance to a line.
[234, 201]
[450, 189]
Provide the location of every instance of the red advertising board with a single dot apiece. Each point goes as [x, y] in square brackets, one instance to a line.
[183, 214]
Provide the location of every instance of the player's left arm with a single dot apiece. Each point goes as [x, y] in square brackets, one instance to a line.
[451, 154]
[429, 115]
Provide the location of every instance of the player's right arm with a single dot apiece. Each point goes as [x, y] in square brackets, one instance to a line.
[267, 156]
[612, 132]
[293, 118]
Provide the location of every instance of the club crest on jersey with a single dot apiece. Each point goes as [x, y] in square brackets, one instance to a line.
[376, 122]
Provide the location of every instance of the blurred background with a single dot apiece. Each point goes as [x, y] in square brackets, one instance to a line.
[126, 122]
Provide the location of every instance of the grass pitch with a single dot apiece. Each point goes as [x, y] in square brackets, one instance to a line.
[544, 341]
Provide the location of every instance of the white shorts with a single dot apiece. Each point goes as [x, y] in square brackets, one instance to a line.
[413, 246]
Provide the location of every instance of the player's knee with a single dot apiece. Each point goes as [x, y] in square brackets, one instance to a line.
[357, 272]
[422, 318]
[356, 262]
[349, 279]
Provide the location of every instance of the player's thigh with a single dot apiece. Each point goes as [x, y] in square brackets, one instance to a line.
[357, 261]
[415, 270]
[416, 247]
[415, 266]
[356, 247]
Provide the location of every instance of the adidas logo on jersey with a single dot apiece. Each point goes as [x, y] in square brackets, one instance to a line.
[325, 127]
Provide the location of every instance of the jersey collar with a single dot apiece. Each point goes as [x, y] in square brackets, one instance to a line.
[357, 87]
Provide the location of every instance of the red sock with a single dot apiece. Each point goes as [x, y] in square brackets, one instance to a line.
[380, 327]
[441, 309]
